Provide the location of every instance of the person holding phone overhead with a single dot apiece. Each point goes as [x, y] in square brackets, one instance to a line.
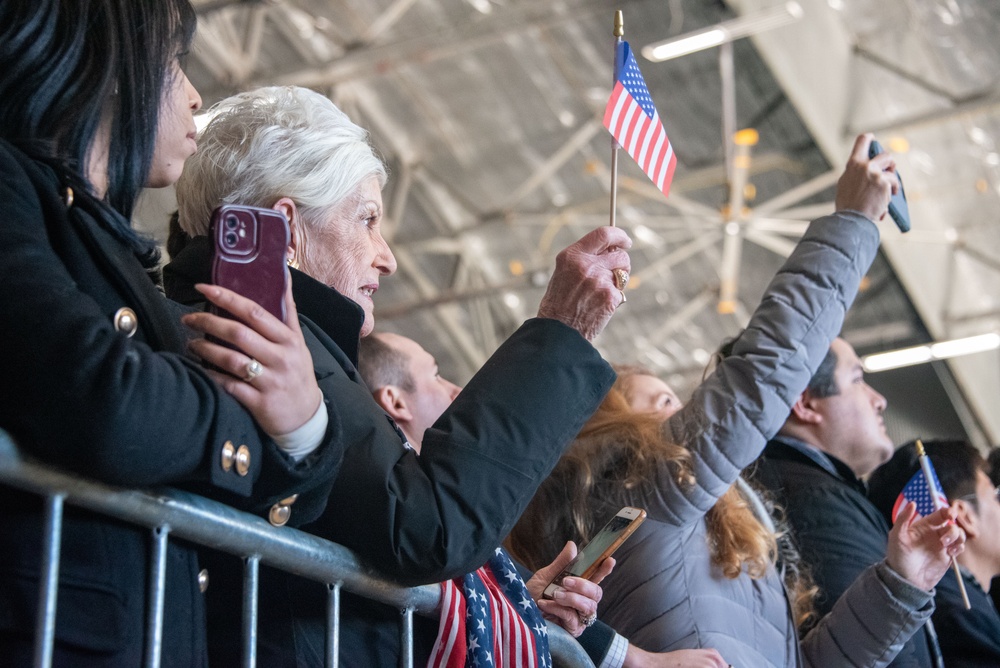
[702, 570]
[291, 149]
[94, 105]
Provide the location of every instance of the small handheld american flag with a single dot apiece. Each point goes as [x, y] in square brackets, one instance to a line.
[632, 119]
[924, 489]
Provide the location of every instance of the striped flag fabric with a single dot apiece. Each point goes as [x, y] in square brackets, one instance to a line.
[632, 119]
[488, 619]
[918, 491]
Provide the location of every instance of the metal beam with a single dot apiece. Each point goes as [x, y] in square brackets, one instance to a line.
[362, 63]
[800, 192]
[544, 171]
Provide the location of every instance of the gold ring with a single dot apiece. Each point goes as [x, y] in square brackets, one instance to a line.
[621, 278]
[624, 298]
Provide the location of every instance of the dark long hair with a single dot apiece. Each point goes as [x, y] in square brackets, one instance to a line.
[68, 65]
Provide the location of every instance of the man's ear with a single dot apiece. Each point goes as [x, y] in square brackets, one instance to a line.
[392, 401]
[805, 409]
[966, 518]
[296, 243]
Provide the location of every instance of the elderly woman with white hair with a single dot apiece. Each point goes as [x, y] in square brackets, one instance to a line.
[419, 521]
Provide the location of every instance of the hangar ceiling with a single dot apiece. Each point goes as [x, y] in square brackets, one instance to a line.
[488, 114]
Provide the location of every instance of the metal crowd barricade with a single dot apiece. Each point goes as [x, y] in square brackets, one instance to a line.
[172, 513]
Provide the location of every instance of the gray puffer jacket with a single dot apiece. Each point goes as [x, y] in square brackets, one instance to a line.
[665, 594]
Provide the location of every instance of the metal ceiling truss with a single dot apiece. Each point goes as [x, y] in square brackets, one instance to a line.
[351, 61]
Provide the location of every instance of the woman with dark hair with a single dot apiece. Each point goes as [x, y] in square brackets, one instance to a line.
[702, 570]
[93, 106]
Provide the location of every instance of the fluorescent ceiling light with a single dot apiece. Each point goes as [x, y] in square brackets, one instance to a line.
[897, 358]
[927, 353]
[972, 344]
[728, 31]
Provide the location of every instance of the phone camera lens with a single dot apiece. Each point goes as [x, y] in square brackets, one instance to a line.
[232, 222]
[231, 239]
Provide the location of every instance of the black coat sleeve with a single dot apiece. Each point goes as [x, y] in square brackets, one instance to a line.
[75, 392]
[440, 515]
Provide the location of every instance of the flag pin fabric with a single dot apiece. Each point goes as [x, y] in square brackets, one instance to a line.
[632, 119]
[488, 620]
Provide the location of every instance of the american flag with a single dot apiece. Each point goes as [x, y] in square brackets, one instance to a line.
[633, 120]
[918, 491]
[488, 619]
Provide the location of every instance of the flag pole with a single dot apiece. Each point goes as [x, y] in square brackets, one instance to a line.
[925, 466]
[619, 33]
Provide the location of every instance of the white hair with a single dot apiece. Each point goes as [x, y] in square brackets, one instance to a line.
[271, 143]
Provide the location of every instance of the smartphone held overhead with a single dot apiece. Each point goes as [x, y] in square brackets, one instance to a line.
[898, 210]
[251, 246]
[602, 546]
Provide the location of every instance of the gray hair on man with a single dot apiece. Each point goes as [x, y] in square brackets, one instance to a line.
[275, 142]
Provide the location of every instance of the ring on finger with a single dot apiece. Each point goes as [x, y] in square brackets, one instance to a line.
[624, 298]
[621, 278]
[252, 369]
[589, 620]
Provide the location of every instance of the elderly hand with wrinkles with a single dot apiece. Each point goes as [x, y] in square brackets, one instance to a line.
[574, 607]
[589, 281]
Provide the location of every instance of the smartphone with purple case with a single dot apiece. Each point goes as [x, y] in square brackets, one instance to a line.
[250, 251]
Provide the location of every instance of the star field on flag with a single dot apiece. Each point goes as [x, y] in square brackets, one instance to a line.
[632, 119]
[917, 491]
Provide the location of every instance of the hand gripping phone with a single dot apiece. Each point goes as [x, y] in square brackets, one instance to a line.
[601, 546]
[898, 209]
[251, 246]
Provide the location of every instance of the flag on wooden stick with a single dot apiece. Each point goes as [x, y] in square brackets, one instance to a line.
[632, 119]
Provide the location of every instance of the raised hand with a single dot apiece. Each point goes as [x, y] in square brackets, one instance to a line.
[280, 390]
[576, 603]
[582, 291]
[867, 184]
[920, 548]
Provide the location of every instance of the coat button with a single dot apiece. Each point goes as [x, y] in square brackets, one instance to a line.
[68, 196]
[203, 580]
[243, 460]
[282, 511]
[228, 455]
[126, 321]
[279, 515]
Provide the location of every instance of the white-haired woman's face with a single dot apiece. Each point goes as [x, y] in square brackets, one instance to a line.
[346, 251]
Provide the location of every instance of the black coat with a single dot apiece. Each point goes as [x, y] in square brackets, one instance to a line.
[417, 519]
[136, 412]
[969, 638]
[838, 531]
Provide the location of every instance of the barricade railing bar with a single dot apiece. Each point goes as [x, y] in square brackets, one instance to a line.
[171, 513]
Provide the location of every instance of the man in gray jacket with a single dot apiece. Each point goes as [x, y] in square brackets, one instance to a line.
[834, 436]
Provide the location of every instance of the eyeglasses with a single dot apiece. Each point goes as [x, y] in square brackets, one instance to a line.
[973, 497]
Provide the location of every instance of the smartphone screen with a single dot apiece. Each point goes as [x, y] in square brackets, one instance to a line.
[607, 540]
[898, 209]
[595, 548]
